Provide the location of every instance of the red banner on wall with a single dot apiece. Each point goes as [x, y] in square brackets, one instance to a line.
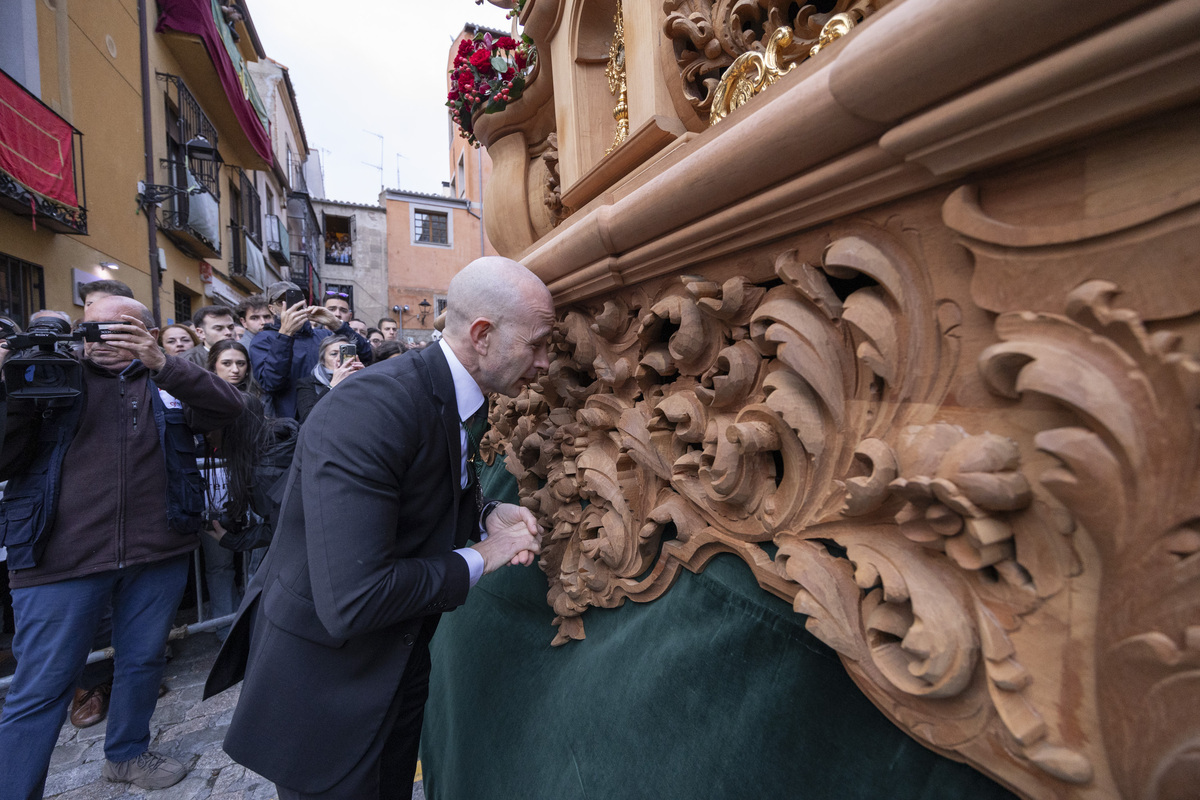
[35, 144]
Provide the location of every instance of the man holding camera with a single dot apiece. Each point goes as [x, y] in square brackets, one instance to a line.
[285, 351]
[103, 505]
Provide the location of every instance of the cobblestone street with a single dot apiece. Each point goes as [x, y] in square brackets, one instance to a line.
[183, 727]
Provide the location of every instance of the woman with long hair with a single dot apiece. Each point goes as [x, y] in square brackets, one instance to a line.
[229, 462]
[230, 360]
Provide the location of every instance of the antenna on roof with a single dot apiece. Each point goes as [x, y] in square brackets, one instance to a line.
[378, 166]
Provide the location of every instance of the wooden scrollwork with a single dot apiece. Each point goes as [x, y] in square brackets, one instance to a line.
[794, 424]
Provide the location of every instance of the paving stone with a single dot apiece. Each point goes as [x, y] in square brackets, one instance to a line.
[68, 755]
[71, 777]
[183, 727]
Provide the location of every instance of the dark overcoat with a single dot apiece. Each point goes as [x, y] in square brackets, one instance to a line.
[361, 560]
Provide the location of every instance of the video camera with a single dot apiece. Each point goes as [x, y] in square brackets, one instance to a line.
[43, 366]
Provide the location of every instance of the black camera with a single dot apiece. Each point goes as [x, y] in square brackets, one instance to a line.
[43, 366]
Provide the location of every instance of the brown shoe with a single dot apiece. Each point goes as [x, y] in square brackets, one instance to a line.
[90, 705]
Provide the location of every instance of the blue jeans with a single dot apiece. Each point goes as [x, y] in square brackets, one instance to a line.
[55, 625]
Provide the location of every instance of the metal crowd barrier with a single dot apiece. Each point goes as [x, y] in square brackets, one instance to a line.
[201, 625]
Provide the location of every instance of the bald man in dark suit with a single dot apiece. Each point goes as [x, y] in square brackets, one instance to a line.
[371, 548]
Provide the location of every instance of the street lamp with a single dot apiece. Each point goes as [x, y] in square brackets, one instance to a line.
[424, 306]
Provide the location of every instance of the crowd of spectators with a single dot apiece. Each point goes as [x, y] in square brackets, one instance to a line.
[217, 399]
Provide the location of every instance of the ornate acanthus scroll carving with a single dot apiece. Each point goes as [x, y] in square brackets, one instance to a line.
[795, 424]
[709, 35]
[1129, 475]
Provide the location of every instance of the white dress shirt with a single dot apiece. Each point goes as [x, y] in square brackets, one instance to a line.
[469, 397]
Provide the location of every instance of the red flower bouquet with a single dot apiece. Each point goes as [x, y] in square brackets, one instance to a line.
[488, 74]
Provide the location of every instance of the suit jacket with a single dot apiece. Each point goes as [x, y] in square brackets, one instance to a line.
[361, 560]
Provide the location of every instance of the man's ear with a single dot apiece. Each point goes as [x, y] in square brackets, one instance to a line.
[480, 333]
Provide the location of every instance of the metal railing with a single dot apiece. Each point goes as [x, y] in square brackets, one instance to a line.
[303, 272]
[201, 625]
[278, 240]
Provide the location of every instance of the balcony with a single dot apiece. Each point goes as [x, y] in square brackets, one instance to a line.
[303, 226]
[191, 220]
[247, 267]
[197, 34]
[278, 241]
[299, 183]
[304, 274]
[41, 162]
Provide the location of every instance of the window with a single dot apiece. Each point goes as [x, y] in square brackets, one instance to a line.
[237, 254]
[460, 176]
[439, 305]
[183, 303]
[186, 121]
[22, 289]
[339, 239]
[431, 227]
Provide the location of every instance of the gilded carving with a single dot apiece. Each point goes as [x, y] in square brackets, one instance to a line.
[709, 35]
[617, 86]
[753, 72]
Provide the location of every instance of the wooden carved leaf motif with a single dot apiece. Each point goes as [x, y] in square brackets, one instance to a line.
[725, 416]
[1129, 475]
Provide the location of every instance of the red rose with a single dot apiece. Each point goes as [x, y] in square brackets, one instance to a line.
[465, 47]
[520, 59]
[466, 81]
[506, 43]
[453, 95]
[508, 76]
[482, 61]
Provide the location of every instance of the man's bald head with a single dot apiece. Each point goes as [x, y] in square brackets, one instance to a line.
[492, 287]
[110, 309]
[499, 319]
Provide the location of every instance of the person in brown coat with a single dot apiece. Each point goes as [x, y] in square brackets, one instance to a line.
[102, 507]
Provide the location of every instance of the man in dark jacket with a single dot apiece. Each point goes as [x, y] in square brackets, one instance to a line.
[286, 350]
[102, 507]
[333, 636]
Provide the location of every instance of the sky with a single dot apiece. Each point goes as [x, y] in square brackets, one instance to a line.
[366, 67]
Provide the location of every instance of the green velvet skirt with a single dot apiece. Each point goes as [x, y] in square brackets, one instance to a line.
[715, 690]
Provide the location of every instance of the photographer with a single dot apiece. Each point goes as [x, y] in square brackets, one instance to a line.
[285, 351]
[103, 506]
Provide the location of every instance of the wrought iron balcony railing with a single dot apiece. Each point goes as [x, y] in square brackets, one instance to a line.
[278, 240]
[191, 218]
[303, 273]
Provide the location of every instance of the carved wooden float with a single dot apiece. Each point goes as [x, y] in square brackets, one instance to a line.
[900, 303]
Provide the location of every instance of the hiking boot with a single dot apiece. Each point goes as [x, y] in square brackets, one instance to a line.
[149, 771]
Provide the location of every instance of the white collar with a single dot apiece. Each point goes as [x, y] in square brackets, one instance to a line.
[466, 390]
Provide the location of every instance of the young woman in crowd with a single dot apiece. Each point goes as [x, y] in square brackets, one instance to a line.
[177, 339]
[325, 375]
[230, 360]
[229, 460]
